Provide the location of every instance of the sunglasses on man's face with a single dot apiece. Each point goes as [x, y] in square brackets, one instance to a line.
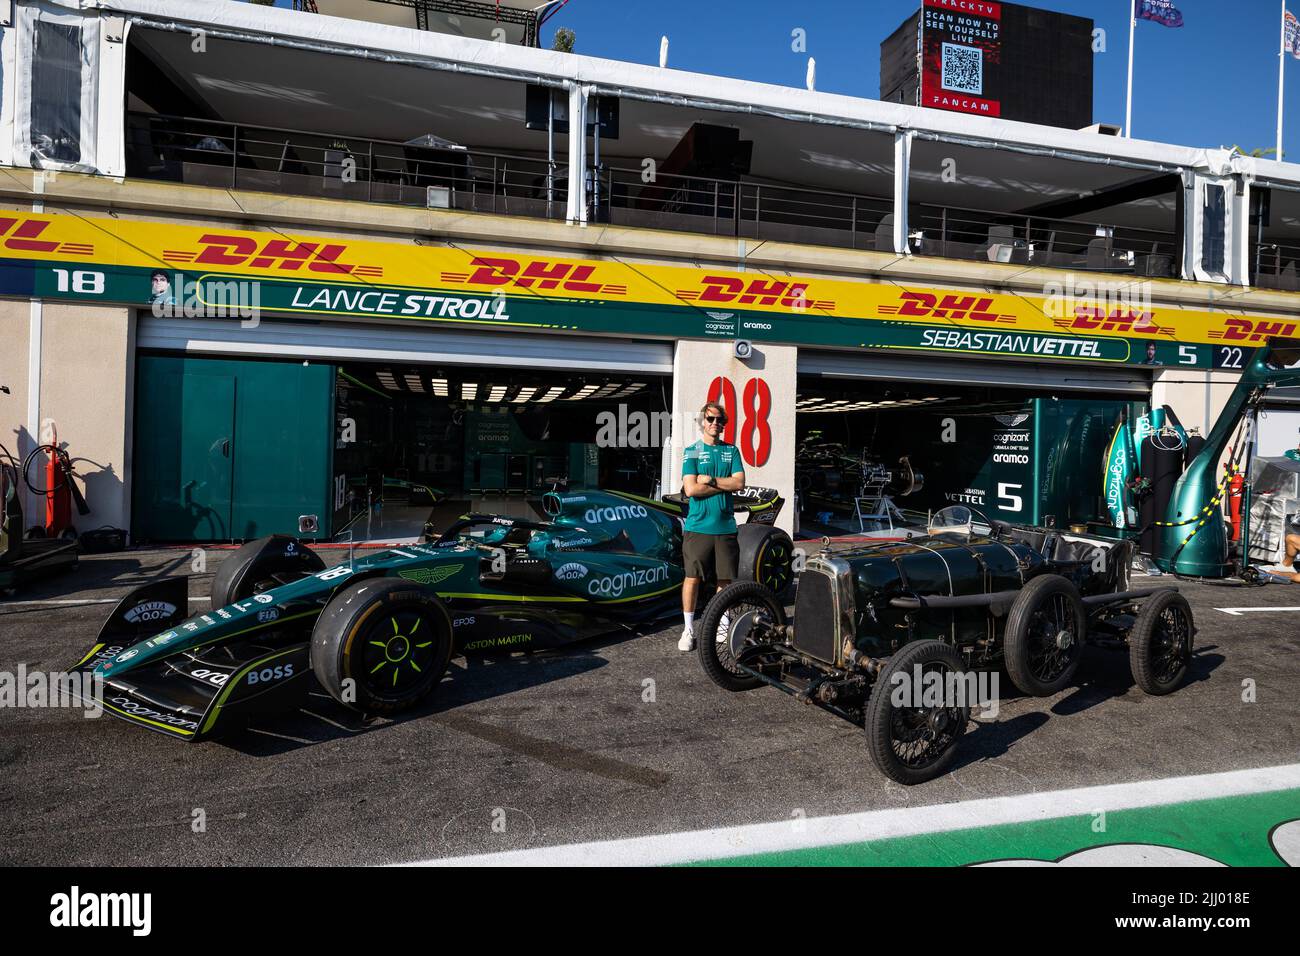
[715, 419]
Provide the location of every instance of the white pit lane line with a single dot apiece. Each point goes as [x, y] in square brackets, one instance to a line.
[782, 836]
[1239, 611]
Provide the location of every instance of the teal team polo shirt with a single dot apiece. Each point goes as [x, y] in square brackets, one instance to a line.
[711, 515]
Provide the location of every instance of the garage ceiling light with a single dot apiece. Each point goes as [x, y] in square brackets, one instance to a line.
[524, 394]
[585, 391]
[439, 387]
[386, 379]
[553, 394]
[497, 393]
[413, 382]
[468, 391]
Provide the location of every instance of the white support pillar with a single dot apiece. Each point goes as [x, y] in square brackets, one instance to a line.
[902, 173]
[696, 365]
[577, 206]
[111, 150]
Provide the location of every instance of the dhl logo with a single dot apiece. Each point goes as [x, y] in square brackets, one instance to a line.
[538, 274]
[1096, 319]
[223, 250]
[734, 291]
[1252, 330]
[950, 307]
[26, 238]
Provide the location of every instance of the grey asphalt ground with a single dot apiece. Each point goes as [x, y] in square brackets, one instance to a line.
[617, 737]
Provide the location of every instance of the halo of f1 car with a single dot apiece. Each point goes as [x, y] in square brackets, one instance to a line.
[885, 635]
[378, 632]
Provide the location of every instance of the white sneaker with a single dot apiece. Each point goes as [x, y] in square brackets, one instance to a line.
[687, 643]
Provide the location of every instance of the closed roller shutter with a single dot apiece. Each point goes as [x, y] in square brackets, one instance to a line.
[1128, 379]
[333, 341]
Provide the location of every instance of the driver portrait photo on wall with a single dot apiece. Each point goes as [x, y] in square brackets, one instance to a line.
[1151, 355]
[160, 289]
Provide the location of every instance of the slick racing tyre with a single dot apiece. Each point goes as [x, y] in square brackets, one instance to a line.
[1045, 635]
[766, 556]
[1160, 644]
[261, 565]
[913, 744]
[381, 645]
[737, 615]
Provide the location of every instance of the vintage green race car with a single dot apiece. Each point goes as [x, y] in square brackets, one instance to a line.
[378, 632]
[893, 636]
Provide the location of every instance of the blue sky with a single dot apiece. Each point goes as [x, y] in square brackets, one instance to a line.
[1212, 82]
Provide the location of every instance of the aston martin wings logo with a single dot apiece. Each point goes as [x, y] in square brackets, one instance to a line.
[430, 575]
[721, 316]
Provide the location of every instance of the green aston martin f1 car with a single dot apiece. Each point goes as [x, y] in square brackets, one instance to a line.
[378, 632]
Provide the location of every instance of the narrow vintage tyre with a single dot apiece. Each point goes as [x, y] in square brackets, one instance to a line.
[1044, 637]
[733, 613]
[1160, 644]
[914, 744]
[766, 556]
[262, 564]
[389, 637]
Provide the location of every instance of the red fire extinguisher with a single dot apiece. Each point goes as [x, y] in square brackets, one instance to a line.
[1235, 485]
[60, 491]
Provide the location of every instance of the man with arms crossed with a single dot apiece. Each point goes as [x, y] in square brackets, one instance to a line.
[711, 472]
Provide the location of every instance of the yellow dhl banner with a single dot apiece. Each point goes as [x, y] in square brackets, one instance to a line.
[1091, 305]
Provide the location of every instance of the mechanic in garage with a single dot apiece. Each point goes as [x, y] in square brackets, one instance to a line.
[711, 471]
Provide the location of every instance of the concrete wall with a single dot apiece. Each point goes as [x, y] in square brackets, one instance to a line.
[86, 383]
[695, 366]
[15, 327]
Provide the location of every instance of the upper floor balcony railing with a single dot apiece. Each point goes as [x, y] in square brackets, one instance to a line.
[425, 171]
[431, 172]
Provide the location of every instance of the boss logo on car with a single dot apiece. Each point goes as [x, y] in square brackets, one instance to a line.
[571, 572]
[269, 675]
[150, 611]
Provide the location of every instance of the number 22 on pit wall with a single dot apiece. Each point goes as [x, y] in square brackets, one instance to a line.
[755, 433]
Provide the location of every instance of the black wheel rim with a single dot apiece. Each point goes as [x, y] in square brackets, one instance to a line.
[728, 620]
[398, 654]
[1054, 639]
[1171, 641]
[920, 736]
[773, 571]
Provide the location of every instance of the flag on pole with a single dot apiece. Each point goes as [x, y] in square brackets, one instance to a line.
[1161, 11]
[1291, 35]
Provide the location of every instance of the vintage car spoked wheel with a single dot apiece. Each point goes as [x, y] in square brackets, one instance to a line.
[913, 744]
[738, 616]
[1160, 644]
[1045, 635]
[390, 638]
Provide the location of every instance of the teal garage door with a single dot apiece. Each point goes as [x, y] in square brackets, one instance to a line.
[229, 449]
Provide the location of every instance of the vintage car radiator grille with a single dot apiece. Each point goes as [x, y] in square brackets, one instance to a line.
[815, 629]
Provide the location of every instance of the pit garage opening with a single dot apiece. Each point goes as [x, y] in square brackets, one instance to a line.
[883, 443]
[420, 444]
[341, 431]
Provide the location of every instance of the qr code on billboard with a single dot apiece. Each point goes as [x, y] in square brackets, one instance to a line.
[963, 68]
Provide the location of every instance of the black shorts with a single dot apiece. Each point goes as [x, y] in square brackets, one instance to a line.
[702, 553]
